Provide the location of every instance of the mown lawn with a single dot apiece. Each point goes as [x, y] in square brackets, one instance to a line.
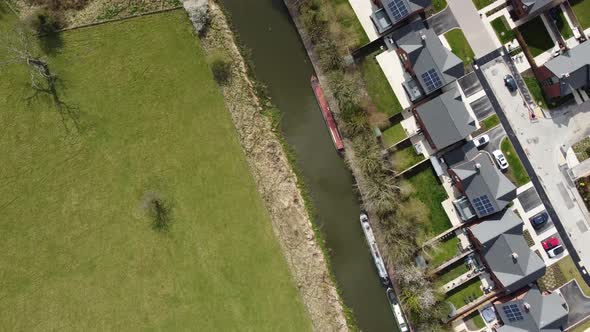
[345, 16]
[582, 10]
[502, 30]
[378, 87]
[460, 46]
[536, 36]
[404, 158]
[490, 122]
[78, 251]
[564, 29]
[444, 251]
[570, 271]
[479, 4]
[516, 172]
[393, 134]
[439, 5]
[452, 274]
[462, 294]
[432, 194]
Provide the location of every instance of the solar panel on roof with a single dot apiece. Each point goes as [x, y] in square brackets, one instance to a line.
[398, 9]
[431, 79]
[512, 312]
[483, 205]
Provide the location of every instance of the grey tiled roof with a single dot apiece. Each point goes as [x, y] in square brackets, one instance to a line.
[506, 252]
[446, 119]
[545, 313]
[426, 52]
[480, 177]
[576, 64]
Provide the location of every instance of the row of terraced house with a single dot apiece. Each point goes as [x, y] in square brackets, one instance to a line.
[439, 124]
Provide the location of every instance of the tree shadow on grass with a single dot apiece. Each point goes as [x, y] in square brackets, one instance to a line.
[51, 42]
[69, 113]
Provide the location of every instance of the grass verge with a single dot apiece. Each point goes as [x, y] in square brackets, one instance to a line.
[502, 30]
[490, 122]
[516, 172]
[536, 36]
[479, 4]
[378, 87]
[100, 175]
[439, 5]
[460, 46]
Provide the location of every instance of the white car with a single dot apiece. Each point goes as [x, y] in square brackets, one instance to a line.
[500, 159]
[555, 251]
[481, 141]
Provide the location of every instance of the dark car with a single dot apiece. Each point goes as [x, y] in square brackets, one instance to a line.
[510, 83]
[539, 220]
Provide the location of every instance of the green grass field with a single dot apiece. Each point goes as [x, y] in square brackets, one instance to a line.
[460, 46]
[378, 87]
[564, 29]
[462, 294]
[393, 134]
[431, 193]
[444, 251]
[78, 251]
[536, 36]
[582, 10]
[502, 30]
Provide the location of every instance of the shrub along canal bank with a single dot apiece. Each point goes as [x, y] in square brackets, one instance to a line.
[280, 62]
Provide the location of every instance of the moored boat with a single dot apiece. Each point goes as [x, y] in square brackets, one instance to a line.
[397, 310]
[326, 113]
[377, 259]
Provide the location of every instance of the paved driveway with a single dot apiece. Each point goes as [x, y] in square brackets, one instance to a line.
[442, 22]
[529, 199]
[469, 84]
[473, 28]
[579, 305]
[541, 142]
[496, 135]
[482, 108]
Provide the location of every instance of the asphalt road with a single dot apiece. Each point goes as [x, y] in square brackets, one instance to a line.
[531, 172]
[443, 21]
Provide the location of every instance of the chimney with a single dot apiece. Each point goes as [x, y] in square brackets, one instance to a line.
[514, 256]
[477, 165]
[527, 307]
[423, 36]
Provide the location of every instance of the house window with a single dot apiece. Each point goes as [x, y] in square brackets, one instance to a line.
[483, 205]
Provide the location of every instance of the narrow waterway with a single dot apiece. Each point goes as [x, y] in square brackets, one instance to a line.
[281, 63]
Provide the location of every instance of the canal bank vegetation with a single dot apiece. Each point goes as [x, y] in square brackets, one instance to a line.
[274, 165]
[402, 217]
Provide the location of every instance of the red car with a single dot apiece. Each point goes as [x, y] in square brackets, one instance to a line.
[550, 243]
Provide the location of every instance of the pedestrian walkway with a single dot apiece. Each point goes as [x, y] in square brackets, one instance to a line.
[473, 28]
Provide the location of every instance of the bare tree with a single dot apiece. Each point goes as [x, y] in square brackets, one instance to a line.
[20, 48]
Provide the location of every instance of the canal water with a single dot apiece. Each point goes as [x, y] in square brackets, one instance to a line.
[281, 63]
